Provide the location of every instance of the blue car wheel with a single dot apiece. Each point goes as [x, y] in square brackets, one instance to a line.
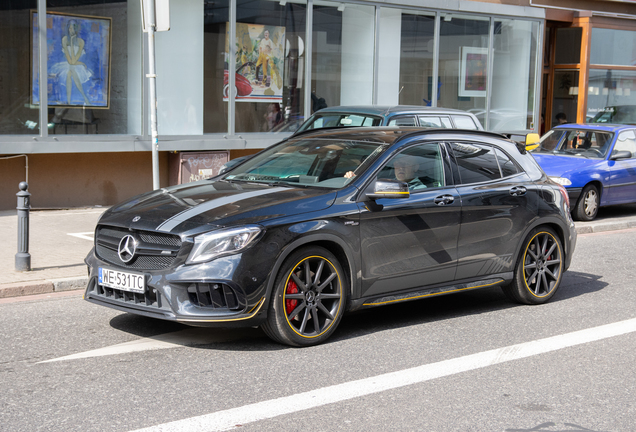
[587, 206]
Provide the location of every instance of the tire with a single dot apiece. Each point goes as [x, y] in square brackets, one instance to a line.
[539, 268]
[308, 298]
[587, 206]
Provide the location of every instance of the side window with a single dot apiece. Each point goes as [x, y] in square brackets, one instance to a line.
[403, 121]
[626, 141]
[429, 121]
[464, 122]
[506, 165]
[476, 162]
[446, 123]
[420, 166]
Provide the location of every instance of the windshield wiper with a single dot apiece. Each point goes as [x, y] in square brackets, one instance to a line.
[282, 183]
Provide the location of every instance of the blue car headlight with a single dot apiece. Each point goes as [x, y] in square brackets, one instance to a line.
[561, 180]
[214, 244]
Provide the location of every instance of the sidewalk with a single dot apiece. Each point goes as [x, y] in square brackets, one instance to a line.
[59, 240]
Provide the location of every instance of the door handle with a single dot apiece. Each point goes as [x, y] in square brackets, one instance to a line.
[518, 191]
[444, 200]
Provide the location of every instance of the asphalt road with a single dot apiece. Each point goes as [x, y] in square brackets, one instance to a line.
[468, 362]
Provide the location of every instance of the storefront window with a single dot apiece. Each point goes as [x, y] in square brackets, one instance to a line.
[216, 17]
[613, 47]
[342, 57]
[18, 115]
[417, 43]
[514, 74]
[613, 93]
[463, 63]
[568, 45]
[89, 60]
[270, 56]
[565, 97]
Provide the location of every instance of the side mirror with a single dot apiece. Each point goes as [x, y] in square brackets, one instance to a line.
[621, 154]
[388, 189]
[532, 141]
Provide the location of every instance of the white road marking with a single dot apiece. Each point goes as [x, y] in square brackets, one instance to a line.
[84, 235]
[235, 417]
[188, 337]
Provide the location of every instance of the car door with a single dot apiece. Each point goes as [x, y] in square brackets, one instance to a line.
[498, 202]
[623, 172]
[411, 242]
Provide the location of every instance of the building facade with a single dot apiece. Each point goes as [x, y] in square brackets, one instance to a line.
[83, 139]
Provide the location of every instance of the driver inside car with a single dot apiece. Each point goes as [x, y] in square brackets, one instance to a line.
[405, 168]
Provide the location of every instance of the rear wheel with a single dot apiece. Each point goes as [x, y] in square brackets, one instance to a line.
[539, 268]
[587, 206]
[308, 298]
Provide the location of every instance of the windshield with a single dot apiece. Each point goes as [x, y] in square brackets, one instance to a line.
[309, 162]
[326, 120]
[572, 142]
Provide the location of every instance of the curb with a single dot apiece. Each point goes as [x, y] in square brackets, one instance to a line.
[42, 286]
[609, 226]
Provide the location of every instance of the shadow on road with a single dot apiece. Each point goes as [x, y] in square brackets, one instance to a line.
[354, 324]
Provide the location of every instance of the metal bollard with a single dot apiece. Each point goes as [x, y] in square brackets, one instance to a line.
[23, 257]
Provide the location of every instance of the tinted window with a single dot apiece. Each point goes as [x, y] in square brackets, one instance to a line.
[464, 122]
[420, 166]
[506, 165]
[476, 162]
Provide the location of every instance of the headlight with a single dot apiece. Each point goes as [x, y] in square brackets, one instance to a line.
[223, 242]
[561, 180]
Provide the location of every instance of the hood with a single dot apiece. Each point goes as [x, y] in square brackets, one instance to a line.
[563, 166]
[200, 206]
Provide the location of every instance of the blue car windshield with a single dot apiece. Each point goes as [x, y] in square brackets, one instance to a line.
[310, 162]
[584, 143]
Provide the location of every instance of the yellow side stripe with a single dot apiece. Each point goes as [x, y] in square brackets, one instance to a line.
[431, 294]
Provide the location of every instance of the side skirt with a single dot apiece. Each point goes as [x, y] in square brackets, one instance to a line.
[420, 293]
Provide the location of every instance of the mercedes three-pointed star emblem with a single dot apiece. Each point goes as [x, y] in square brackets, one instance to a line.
[127, 248]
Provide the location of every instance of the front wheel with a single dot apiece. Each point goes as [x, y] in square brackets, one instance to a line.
[539, 268]
[308, 298]
[587, 205]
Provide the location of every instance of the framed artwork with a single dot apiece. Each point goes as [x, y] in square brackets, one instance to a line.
[260, 61]
[78, 60]
[473, 72]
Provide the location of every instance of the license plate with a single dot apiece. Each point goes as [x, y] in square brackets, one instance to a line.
[122, 280]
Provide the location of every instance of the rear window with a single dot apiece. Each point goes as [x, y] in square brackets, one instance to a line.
[476, 162]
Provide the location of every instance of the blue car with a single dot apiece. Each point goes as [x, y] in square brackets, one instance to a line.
[596, 164]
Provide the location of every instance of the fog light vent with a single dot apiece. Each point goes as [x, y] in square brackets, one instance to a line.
[215, 296]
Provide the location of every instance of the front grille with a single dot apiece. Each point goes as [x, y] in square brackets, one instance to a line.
[150, 298]
[216, 296]
[155, 251]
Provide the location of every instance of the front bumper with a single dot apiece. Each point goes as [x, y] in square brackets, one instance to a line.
[574, 194]
[207, 294]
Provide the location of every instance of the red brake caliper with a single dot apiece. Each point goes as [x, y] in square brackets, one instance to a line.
[290, 305]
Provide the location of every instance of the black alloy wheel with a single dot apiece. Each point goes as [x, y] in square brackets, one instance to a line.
[587, 206]
[308, 298]
[539, 268]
